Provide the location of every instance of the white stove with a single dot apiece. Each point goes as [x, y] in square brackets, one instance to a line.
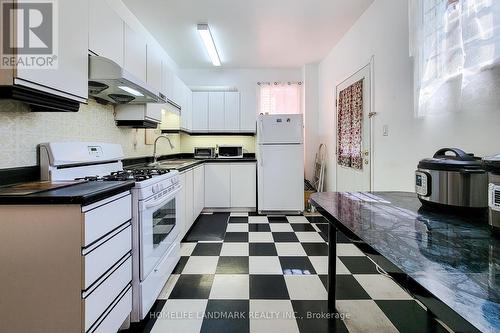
[155, 227]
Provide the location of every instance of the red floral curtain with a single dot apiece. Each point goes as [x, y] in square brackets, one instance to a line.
[349, 125]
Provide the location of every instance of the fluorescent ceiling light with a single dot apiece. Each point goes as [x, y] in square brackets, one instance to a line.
[208, 41]
[131, 91]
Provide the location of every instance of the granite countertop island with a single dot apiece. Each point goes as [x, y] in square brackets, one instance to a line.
[454, 258]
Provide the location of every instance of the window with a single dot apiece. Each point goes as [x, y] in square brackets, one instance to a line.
[452, 40]
[280, 98]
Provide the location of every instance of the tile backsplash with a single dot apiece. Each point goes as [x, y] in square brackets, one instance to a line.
[22, 130]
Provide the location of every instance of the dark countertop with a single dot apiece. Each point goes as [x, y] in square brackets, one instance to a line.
[80, 194]
[453, 257]
[190, 162]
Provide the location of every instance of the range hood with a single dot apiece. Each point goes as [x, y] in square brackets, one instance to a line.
[110, 83]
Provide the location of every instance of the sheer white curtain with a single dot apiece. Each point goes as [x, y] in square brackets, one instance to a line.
[451, 41]
[280, 98]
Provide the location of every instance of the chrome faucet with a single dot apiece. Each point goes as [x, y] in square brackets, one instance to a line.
[155, 158]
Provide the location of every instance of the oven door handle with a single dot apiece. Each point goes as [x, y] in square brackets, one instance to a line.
[161, 201]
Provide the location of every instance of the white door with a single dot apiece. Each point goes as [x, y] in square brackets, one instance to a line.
[243, 185]
[281, 177]
[284, 128]
[350, 179]
[216, 111]
[217, 185]
[200, 111]
[232, 111]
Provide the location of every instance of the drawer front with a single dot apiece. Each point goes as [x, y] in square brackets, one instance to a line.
[96, 303]
[115, 318]
[101, 258]
[101, 220]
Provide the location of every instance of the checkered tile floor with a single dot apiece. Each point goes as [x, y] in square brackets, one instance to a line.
[269, 275]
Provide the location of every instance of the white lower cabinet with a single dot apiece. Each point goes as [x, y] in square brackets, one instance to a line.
[199, 190]
[189, 200]
[230, 185]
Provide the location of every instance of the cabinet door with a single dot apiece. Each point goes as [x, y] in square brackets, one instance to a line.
[243, 185]
[105, 31]
[217, 185]
[70, 79]
[153, 66]
[186, 112]
[189, 200]
[168, 77]
[248, 118]
[135, 53]
[200, 111]
[181, 205]
[199, 190]
[216, 111]
[232, 111]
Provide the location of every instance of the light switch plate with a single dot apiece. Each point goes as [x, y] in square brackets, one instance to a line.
[385, 130]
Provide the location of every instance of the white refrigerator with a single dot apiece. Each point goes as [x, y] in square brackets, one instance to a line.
[280, 163]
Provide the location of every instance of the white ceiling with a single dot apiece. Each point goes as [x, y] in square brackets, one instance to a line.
[249, 33]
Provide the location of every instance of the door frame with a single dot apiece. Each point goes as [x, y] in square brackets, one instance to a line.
[370, 65]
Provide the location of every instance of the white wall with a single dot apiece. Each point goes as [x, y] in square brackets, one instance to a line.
[310, 107]
[382, 31]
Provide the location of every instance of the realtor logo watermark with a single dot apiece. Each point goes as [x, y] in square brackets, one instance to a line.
[29, 37]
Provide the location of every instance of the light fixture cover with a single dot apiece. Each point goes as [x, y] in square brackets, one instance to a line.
[208, 41]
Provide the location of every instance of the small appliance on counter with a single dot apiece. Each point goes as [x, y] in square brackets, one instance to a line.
[204, 152]
[452, 181]
[228, 151]
[492, 165]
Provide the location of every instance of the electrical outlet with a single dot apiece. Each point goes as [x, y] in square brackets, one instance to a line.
[385, 130]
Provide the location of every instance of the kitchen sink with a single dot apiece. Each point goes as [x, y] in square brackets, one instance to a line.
[172, 164]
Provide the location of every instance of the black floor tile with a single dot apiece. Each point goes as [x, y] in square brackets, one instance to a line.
[262, 249]
[207, 249]
[257, 227]
[180, 265]
[253, 214]
[407, 316]
[312, 316]
[317, 219]
[238, 219]
[282, 237]
[324, 279]
[226, 316]
[192, 286]
[146, 325]
[296, 266]
[347, 287]
[232, 265]
[359, 265]
[240, 237]
[323, 231]
[268, 287]
[208, 227]
[302, 227]
[315, 249]
[341, 238]
[277, 219]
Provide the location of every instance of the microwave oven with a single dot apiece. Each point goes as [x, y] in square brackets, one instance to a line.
[227, 151]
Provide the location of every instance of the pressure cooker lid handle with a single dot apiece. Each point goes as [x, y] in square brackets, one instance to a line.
[458, 153]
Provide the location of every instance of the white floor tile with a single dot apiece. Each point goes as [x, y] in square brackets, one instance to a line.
[236, 214]
[258, 219]
[320, 264]
[237, 227]
[380, 287]
[364, 316]
[280, 227]
[290, 249]
[201, 265]
[348, 250]
[167, 288]
[187, 249]
[260, 237]
[309, 237]
[341, 268]
[297, 219]
[264, 265]
[230, 286]
[272, 316]
[305, 287]
[234, 250]
[181, 315]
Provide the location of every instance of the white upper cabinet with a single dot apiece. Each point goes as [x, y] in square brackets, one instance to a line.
[187, 110]
[154, 67]
[200, 111]
[216, 111]
[105, 31]
[70, 79]
[167, 82]
[232, 111]
[135, 53]
[248, 119]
